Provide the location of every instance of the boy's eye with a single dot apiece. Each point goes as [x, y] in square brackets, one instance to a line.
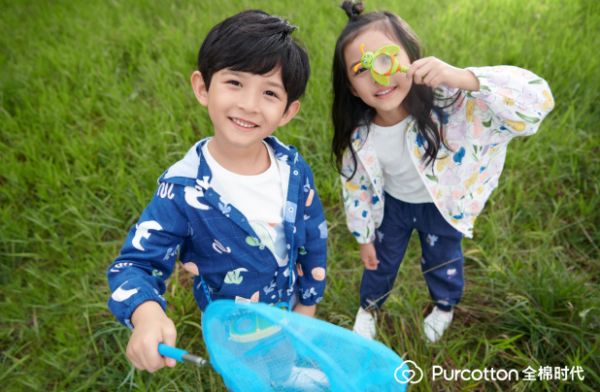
[233, 82]
[271, 94]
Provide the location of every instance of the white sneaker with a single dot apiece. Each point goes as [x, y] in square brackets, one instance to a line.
[306, 379]
[436, 323]
[364, 324]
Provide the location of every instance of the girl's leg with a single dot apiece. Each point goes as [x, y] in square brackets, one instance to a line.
[390, 245]
[442, 266]
[442, 258]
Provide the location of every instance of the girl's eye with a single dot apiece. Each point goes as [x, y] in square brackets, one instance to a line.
[233, 82]
[271, 94]
[359, 71]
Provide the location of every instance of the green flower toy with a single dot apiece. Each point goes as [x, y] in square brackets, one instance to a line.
[382, 63]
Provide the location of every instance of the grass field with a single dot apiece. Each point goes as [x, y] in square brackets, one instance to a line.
[95, 103]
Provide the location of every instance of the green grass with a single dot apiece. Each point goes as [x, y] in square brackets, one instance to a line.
[95, 103]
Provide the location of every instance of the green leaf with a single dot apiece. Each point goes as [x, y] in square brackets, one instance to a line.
[252, 241]
[527, 118]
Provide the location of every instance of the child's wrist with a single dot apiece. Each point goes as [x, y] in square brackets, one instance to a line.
[468, 80]
[307, 310]
[146, 310]
[365, 245]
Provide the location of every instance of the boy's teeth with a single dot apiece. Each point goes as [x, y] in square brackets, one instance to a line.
[243, 123]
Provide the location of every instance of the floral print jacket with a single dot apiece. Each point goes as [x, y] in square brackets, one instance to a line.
[478, 126]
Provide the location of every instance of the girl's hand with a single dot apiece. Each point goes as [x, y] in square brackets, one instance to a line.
[151, 327]
[306, 310]
[433, 72]
[368, 256]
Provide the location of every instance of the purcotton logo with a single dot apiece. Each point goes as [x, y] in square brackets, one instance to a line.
[408, 375]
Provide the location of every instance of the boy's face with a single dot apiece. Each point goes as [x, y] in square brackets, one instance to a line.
[244, 107]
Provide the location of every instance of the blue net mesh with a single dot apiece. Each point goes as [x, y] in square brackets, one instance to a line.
[256, 347]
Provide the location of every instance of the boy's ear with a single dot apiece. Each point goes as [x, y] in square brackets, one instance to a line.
[290, 113]
[200, 88]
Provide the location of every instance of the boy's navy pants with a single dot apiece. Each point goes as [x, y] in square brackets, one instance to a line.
[442, 257]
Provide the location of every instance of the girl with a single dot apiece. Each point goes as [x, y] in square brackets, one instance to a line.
[419, 149]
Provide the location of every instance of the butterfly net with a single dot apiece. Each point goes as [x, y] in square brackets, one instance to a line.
[256, 347]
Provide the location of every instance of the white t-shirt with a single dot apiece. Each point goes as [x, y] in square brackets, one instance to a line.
[400, 177]
[259, 197]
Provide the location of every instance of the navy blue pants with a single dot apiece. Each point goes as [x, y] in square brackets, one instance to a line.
[442, 257]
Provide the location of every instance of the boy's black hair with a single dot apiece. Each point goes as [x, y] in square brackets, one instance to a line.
[256, 42]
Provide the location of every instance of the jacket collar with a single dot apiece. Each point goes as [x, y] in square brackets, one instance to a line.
[193, 166]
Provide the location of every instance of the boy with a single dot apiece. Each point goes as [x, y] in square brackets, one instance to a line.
[240, 209]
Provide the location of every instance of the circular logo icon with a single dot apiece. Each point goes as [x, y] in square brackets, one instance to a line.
[408, 375]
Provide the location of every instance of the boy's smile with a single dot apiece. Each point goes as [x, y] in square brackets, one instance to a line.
[241, 123]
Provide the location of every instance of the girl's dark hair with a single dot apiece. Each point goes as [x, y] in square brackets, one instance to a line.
[256, 42]
[350, 112]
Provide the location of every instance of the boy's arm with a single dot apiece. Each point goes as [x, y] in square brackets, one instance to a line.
[312, 257]
[148, 254]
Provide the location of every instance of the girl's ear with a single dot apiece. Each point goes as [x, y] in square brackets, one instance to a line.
[290, 113]
[200, 88]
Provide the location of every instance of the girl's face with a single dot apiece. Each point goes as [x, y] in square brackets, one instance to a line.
[386, 100]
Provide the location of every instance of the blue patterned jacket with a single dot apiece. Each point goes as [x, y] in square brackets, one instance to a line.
[187, 219]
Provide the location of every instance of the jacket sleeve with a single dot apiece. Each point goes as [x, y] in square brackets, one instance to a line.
[511, 102]
[148, 255]
[312, 256]
[358, 199]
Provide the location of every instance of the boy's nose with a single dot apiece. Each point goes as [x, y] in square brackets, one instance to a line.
[248, 103]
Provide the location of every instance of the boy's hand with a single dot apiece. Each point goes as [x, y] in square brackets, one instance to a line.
[306, 310]
[151, 327]
[369, 256]
[433, 72]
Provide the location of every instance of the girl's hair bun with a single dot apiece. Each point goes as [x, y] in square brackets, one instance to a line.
[353, 9]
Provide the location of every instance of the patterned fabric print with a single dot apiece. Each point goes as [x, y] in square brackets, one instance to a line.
[188, 220]
[269, 235]
[363, 194]
[511, 102]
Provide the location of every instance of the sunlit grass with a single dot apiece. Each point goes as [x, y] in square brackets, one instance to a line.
[95, 103]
